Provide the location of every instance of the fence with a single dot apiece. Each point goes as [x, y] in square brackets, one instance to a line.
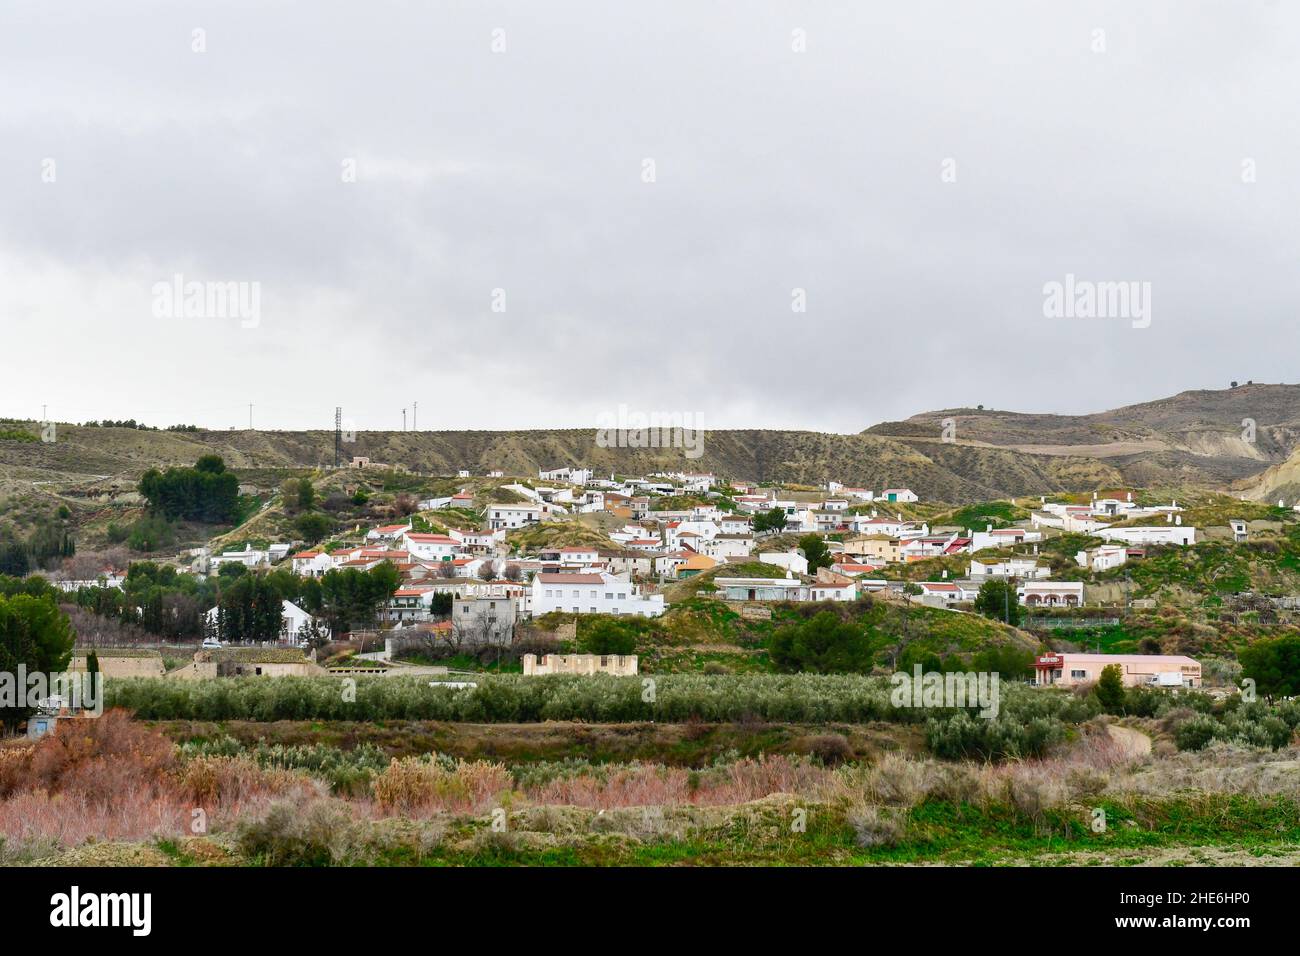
[1069, 623]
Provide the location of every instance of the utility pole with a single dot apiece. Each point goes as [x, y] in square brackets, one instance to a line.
[403, 419]
[338, 434]
[415, 411]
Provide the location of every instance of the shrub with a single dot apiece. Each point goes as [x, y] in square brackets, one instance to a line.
[831, 749]
[318, 834]
[823, 644]
[416, 784]
[877, 826]
[969, 737]
[1195, 732]
[1110, 689]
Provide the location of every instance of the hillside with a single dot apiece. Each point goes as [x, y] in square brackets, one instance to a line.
[107, 462]
[1280, 481]
[1198, 435]
[1190, 439]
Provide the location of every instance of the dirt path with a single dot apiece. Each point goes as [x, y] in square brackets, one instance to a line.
[1134, 742]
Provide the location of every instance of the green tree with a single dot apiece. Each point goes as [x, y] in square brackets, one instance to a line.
[815, 550]
[250, 609]
[150, 533]
[13, 556]
[35, 634]
[1273, 664]
[823, 644]
[1006, 660]
[352, 599]
[605, 636]
[997, 599]
[1110, 689]
[771, 520]
[206, 493]
[313, 526]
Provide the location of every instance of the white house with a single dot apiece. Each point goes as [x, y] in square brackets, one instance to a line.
[477, 540]
[574, 476]
[828, 591]
[762, 589]
[678, 533]
[725, 546]
[1051, 594]
[1154, 534]
[409, 604]
[513, 516]
[108, 578]
[249, 558]
[1026, 568]
[311, 564]
[898, 494]
[1002, 537]
[945, 593]
[1082, 522]
[431, 547]
[932, 546]
[295, 623]
[790, 560]
[594, 593]
[388, 532]
[584, 554]
[1103, 557]
[736, 524]
[895, 527]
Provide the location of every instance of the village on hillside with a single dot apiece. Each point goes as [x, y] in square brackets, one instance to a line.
[469, 574]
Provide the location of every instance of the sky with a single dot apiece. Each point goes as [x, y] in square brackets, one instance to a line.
[812, 215]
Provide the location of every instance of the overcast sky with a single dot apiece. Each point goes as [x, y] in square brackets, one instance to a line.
[127, 158]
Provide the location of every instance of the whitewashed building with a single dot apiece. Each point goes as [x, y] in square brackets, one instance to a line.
[593, 593]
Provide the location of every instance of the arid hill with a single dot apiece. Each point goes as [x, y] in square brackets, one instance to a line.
[1191, 439]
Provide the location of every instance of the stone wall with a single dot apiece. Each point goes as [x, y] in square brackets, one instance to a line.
[133, 666]
[619, 665]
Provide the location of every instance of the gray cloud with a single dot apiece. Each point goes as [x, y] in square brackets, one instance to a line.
[522, 171]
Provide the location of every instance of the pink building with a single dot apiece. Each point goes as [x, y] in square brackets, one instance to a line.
[1139, 670]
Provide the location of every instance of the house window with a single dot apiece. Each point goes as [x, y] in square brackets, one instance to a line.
[1078, 674]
